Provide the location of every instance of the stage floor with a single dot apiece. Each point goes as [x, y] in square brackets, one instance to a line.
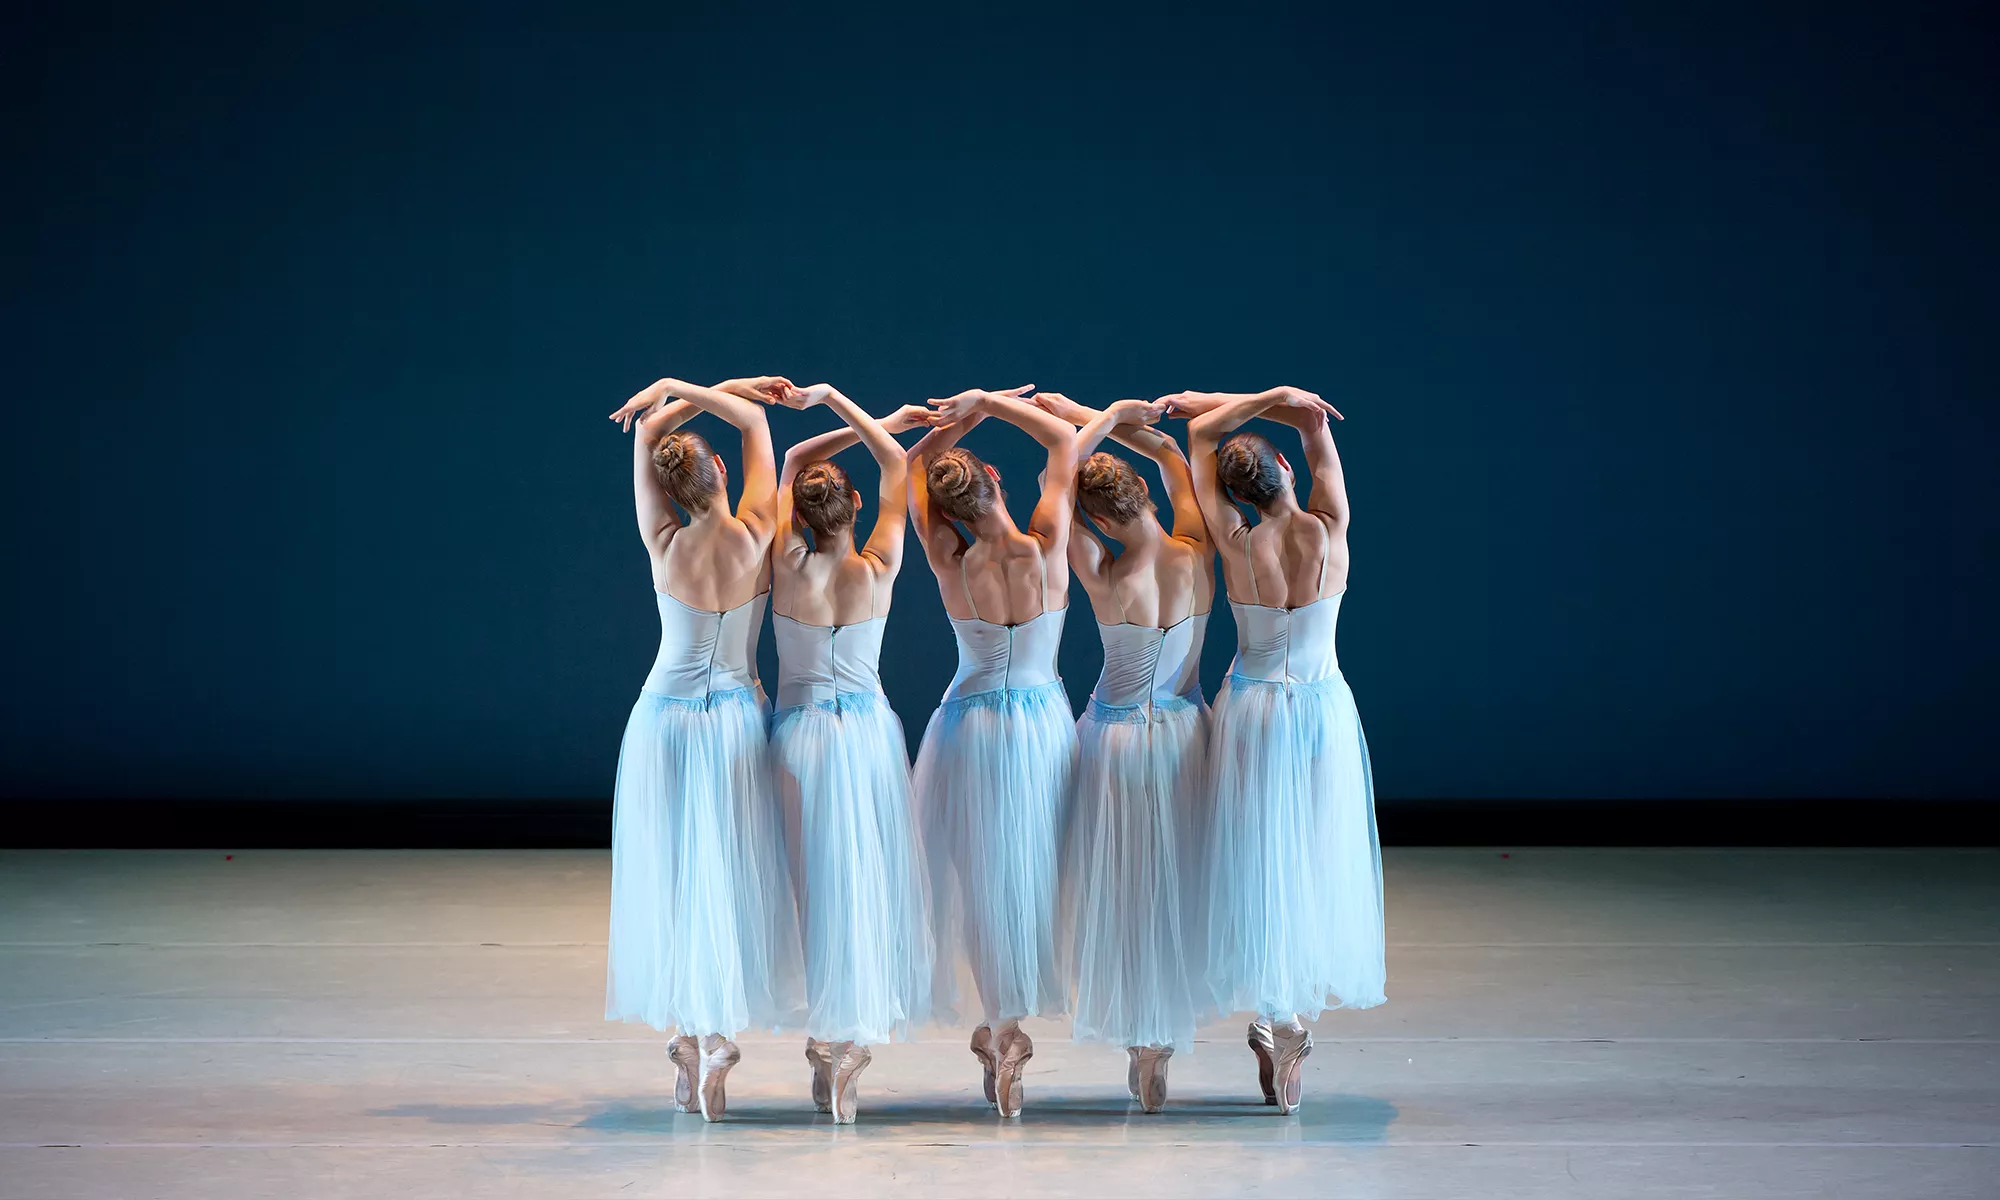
[1561, 1023]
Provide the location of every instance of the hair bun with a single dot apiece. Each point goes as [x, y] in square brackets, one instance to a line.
[951, 476]
[814, 484]
[1099, 471]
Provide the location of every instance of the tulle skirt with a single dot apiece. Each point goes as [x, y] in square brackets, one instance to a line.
[704, 929]
[1139, 798]
[993, 786]
[1295, 868]
[842, 771]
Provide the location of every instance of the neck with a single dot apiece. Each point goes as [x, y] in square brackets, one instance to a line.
[1140, 533]
[1284, 504]
[839, 543]
[995, 524]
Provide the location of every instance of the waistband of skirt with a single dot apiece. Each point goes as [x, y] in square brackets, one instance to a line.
[724, 697]
[1002, 697]
[1137, 714]
[841, 702]
[1332, 683]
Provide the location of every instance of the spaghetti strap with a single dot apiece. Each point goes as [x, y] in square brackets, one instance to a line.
[966, 585]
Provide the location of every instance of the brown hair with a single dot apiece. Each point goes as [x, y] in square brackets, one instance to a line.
[686, 467]
[1108, 489]
[1247, 464]
[961, 485]
[823, 497]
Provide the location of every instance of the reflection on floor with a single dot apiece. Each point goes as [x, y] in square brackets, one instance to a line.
[1562, 1023]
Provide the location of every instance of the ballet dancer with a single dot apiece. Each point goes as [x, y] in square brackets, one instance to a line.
[1295, 869]
[704, 930]
[993, 774]
[1128, 867]
[839, 760]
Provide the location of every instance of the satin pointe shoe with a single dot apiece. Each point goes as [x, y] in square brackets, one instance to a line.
[685, 1053]
[849, 1059]
[1015, 1049]
[718, 1055]
[1267, 1062]
[819, 1055]
[982, 1049]
[1293, 1044]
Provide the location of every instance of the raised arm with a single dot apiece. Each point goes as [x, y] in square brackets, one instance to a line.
[1051, 520]
[885, 540]
[655, 417]
[1303, 411]
[934, 529]
[760, 468]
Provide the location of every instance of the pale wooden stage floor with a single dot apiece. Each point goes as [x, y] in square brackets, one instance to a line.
[1561, 1023]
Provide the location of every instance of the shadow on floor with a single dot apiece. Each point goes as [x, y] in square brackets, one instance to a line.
[1346, 1119]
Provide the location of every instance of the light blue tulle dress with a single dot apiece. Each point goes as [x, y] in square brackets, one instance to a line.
[840, 764]
[993, 786]
[1138, 817]
[1295, 869]
[704, 929]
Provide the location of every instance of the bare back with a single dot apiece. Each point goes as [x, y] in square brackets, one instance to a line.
[1004, 579]
[713, 565]
[1286, 560]
[1157, 585]
[833, 587]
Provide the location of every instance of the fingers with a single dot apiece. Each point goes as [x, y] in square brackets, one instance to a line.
[1023, 390]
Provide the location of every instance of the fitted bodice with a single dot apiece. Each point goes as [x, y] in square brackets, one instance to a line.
[1145, 665]
[1284, 645]
[817, 663]
[704, 652]
[992, 657]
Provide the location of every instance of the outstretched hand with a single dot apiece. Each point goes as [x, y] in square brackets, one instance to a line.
[953, 409]
[1058, 405]
[910, 416]
[1138, 412]
[1293, 397]
[648, 399]
[802, 397]
[765, 389]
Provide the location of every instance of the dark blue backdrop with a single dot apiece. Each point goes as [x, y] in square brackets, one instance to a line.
[1664, 338]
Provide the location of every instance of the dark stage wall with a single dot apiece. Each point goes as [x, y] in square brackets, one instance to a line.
[1665, 342]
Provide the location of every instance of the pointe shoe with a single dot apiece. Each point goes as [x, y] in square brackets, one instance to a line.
[1132, 1071]
[820, 1055]
[1152, 1064]
[685, 1053]
[718, 1055]
[1016, 1048]
[1267, 1064]
[982, 1049]
[1292, 1045]
[849, 1060]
